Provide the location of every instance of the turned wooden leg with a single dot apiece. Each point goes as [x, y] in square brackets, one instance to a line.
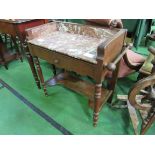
[11, 43]
[17, 49]
[40, 74]
[3, 61]
[31, 63]
[21, 44]
[2, 55]
[98, 88]
[8, 37]
[5, 38]
[1, 38]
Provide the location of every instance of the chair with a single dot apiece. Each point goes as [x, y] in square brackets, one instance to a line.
[141, 96]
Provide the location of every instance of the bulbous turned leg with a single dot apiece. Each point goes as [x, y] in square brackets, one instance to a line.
[40, 75]
[17, 49]
[31, 63]
[98, 88]
[3, 62]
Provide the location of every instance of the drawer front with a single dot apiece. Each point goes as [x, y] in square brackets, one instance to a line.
[63, 61]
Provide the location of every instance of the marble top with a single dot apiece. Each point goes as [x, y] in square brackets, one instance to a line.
[75, 40]
[74, 45]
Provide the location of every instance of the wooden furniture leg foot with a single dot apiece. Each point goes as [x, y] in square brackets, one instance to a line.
[6, 66]
[40, 75]
[31, 63]
[98, 88]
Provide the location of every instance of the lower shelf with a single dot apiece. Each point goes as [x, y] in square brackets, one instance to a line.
[79, 86]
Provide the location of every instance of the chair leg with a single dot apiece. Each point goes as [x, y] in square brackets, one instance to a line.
[40, 74]
[31, 63]
[98, 88]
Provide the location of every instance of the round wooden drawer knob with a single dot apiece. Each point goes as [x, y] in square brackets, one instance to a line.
[56, 61]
